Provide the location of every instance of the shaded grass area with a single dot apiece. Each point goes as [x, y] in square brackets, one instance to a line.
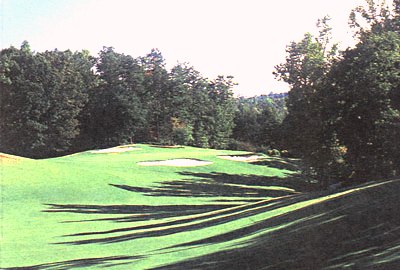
[69, 201]
[80, 263]
[184, 224]
[134, 212]
[280, 163]
[216, 185]
[357, 231]
[101, 210]
[220, 185]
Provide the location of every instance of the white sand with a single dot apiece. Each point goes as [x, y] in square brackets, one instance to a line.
[115, 150]
[180, 162]
[250, 158]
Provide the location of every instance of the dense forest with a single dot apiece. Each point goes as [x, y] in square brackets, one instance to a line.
[341, 115]
[344, 107]
[59, 102]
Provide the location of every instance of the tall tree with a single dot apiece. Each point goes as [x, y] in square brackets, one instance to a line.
[257, 120]
[157, 92]
[42, 94]
[68, 93]
[349, 108]
[23, 100]
[366, 98]
[222, 111]
[307, 133]
[115, 113]
[184, 82]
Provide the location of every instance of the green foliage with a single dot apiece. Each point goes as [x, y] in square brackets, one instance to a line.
[242, 146]
[57, 102]
[363, 113]
[157, 96]
[365, 93]
[114, 113]
[376, 16]
[222, 108]
[258, 119]
[343, 113]
[42, 95]
[304, 130]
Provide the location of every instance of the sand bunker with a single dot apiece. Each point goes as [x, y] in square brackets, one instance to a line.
[180, 162]
[244, 158]
[115, 150]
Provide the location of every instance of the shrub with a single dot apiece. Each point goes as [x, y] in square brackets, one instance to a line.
[241, 146]
[274, 153]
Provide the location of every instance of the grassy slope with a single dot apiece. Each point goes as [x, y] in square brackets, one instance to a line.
[104, 210]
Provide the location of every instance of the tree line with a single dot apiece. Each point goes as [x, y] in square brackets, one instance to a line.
[58, 102]
[258, 123]
[344, 107]
[341, 115]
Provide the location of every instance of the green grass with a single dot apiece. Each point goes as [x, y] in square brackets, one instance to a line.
[96, 210]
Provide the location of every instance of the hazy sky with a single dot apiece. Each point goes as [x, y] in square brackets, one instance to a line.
[243, 38]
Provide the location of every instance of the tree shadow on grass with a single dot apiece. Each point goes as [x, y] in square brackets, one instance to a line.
[134, 212]
[357, 231]
[223, 185]
[205, 188]
[188, 217]
[173, 219]
[360, 230]
[100, 262]
[178, 225]
[295, 181]
[280, 163]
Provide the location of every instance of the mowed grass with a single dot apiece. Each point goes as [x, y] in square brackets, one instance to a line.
[99, 210]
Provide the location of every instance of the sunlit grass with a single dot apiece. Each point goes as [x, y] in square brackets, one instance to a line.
[103, 209]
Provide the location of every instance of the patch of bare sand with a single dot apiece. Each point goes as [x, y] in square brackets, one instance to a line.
[179, 162]
[119, 149]
[243, 158]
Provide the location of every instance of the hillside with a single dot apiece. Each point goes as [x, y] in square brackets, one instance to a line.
[195, 209]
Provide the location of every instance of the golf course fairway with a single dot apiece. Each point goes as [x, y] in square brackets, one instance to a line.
[147, 207]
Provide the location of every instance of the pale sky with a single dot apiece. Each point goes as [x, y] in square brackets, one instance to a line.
[242, 38]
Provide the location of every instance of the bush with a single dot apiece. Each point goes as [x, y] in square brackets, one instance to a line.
[241, 146]
[274, 153]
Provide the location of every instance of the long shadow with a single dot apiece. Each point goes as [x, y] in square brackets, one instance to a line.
[185, 224]
[134, 212]
[357, 231]
[280, 163]
[291, 181]
[101, 262]
[173, 219]
[283, 163]
[189, 217]
[205, 188]
[212, 185]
